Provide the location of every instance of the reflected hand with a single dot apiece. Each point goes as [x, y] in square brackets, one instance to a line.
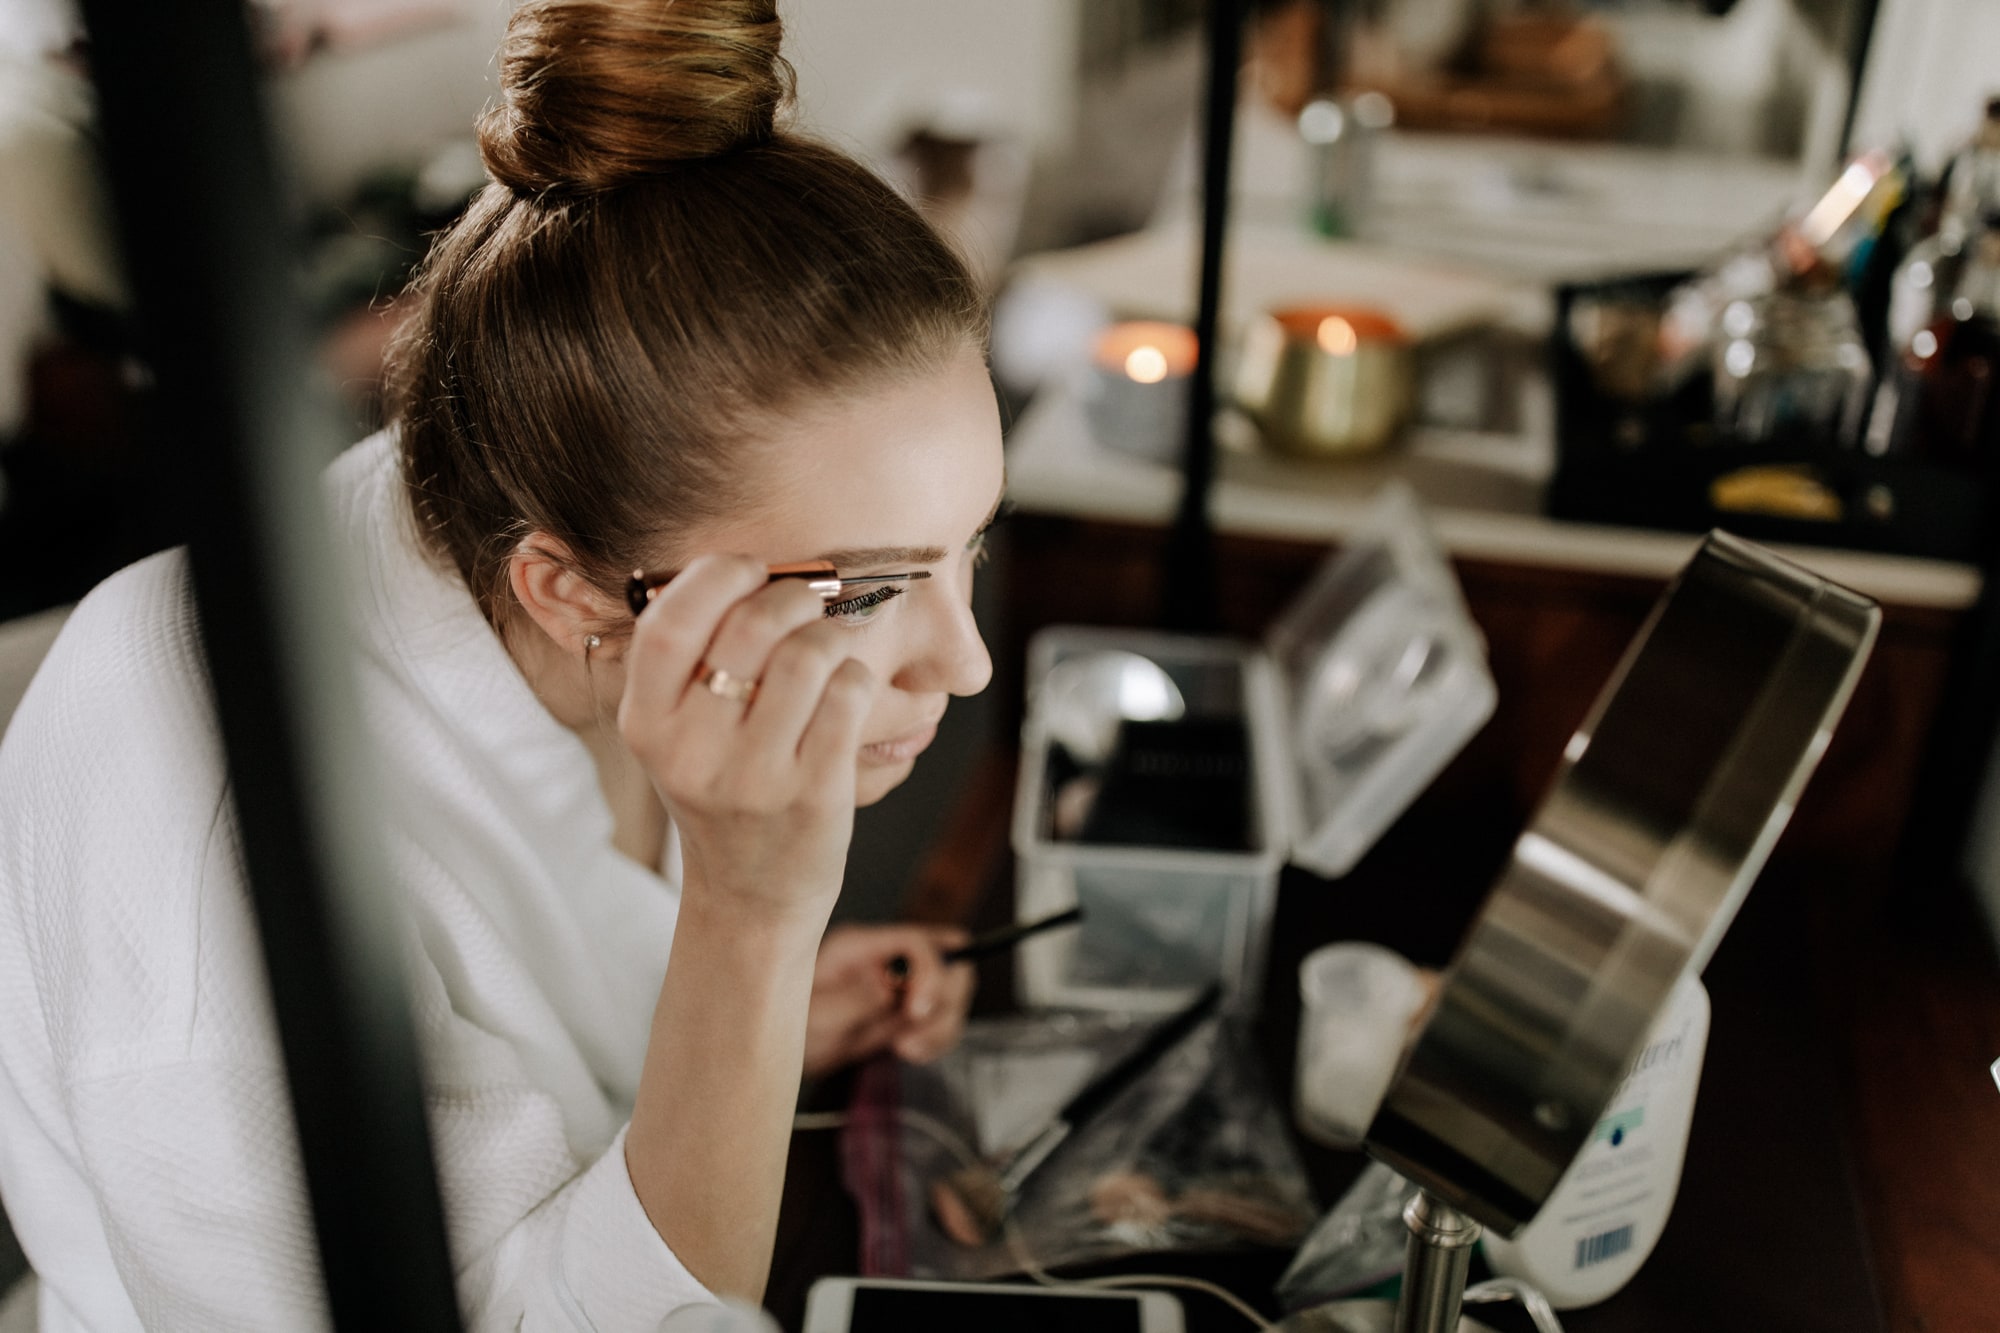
[860, 1008]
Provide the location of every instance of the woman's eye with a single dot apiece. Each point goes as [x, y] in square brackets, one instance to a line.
[858, 610]
[976, 547]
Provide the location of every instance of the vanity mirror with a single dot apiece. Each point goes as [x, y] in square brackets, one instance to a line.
[1670, 798]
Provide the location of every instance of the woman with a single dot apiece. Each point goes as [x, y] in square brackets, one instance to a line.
[666, 337]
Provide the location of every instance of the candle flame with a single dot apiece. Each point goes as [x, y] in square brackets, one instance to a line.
[1147, 364]
[1337, 336]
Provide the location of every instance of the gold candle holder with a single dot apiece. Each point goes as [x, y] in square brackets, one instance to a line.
[1326, 380]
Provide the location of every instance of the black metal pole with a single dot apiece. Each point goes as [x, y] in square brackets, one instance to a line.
[240, 442]
[1188, 601]
[1860, 41]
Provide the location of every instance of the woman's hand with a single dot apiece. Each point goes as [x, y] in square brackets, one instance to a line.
[760, 785]
[860, 1006]
[761, 788]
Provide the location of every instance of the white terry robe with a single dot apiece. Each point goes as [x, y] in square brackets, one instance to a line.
[147, 1153]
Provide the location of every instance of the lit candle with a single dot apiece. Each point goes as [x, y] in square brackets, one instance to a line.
[1337, 336]
[1147, 351]
[1137, 393]
[1147, 364]
[1325, 380]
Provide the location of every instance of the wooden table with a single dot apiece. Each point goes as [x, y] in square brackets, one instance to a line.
[1844, 1167]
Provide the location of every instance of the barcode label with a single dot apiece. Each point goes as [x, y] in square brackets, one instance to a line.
[1605, 1245]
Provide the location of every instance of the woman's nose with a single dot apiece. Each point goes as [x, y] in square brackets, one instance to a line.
[950, 656]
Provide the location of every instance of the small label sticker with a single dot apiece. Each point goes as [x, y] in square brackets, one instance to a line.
[1605, 1245]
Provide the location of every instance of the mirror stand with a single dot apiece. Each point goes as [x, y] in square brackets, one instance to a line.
[1434, 1270]
[1631, 869]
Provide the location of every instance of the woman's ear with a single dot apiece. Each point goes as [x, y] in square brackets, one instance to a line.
[561, 602]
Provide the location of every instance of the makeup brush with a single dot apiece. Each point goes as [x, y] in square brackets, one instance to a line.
[970, 1203]
[992, 942]
[819, 575]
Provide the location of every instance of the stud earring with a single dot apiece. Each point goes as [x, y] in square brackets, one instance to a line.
[591, 643]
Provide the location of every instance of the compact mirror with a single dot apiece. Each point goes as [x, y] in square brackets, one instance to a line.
[1087, 697]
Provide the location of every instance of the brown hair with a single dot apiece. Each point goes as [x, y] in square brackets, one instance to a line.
[655, 267]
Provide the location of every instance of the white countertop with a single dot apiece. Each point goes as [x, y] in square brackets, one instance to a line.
[1534, 209]
[1151, 274]
[1483, 494]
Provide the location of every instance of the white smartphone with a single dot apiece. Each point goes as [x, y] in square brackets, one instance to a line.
[887, 1305]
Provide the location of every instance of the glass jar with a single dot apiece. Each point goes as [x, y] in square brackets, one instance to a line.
[1790, 366]
[1923, 284]
[1950, 373]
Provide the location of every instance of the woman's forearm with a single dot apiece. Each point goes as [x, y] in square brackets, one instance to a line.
[712, 1122]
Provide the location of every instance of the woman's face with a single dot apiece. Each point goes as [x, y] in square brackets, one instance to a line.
[905, 477]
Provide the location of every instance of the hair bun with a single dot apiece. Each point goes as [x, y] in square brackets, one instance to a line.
[596, 93]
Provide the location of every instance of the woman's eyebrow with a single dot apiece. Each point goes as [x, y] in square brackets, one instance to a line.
[993, 514]
[870, 557]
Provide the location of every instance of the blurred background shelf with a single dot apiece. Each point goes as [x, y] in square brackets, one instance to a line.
[1484, 493]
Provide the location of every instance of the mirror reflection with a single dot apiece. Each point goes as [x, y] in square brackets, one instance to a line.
[1588, 275]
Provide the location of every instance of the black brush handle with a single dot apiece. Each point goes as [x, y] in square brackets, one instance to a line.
[1142, 1057]
[983, 946]
[1006, 937]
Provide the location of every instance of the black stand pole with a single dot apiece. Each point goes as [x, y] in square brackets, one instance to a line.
[1188, 600]
[239, 446]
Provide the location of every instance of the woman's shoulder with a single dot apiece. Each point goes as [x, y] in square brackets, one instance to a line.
[129, 661]
[118, 724]
[116, 840]
[364, 473]
[130, 650]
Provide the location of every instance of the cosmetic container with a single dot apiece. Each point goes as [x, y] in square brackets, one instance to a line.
[1135, 392]
[1608, 1210]
[1166, 779]
[1325, 381]
[1357, 1005]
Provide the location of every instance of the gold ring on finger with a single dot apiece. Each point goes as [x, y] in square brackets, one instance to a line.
[723, 685]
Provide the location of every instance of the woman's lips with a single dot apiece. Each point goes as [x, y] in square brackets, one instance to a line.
[902, 749]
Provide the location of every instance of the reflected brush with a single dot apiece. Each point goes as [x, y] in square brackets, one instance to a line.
[992, 942]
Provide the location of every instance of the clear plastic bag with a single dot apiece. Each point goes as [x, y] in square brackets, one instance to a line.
[1359, 1243]
[1364, 1241]
[1194, 1155]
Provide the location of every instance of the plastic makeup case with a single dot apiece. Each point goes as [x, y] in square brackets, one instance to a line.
[1166, 779]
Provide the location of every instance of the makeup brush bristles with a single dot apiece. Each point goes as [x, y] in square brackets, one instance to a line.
[969, 1205]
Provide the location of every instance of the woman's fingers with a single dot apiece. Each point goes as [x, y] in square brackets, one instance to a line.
[752, 630]
[828, 748]
[936, 995]
[719, 615]
[928, 980]
[673, 634]
[937, 1027]
[853, 1012]
[765, 814]
[862, 1006]
[670, 641]
[794, 681]
[856, 997]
